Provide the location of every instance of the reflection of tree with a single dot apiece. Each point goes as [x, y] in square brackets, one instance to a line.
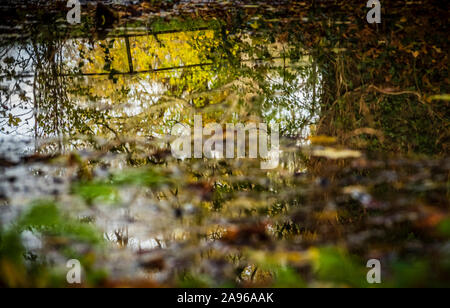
[50, 93]
[140, 86]
[189, 70]
[251, 67]
[37, 103]
[13, 93]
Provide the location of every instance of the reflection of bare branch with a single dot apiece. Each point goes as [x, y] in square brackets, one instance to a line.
[122, 237]
[417, 94]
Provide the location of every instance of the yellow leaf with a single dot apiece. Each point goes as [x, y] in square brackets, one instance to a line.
[255, 25]
[321, 139]
[441, 97]
[335, 154]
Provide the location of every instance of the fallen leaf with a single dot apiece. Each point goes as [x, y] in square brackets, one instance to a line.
[321, 139]
[335, 154]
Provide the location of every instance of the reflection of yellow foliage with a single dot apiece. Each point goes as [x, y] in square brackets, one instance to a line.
[148, 103]
[153, 52]
[148, 53]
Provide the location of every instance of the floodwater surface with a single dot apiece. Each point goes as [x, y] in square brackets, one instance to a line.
[87, 170]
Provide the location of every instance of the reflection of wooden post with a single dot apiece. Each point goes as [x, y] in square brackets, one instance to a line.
[130, 59]
[284, 68]
[314, 67]
[36, 110]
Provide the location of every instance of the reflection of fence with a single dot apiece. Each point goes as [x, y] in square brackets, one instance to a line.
[131, 68]
[133, 72]
[126, 37]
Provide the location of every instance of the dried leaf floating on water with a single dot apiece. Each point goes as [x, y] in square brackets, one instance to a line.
[335, 154]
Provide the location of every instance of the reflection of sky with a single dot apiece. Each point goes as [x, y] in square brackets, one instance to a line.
[16, 141]
[23, 111]
[18, 108]
[300, 105]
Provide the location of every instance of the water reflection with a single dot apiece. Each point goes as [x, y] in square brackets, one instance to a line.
[116, 101]
[141, 85]
[86, 114]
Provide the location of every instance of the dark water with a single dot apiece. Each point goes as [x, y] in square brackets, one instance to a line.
[87, 171]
